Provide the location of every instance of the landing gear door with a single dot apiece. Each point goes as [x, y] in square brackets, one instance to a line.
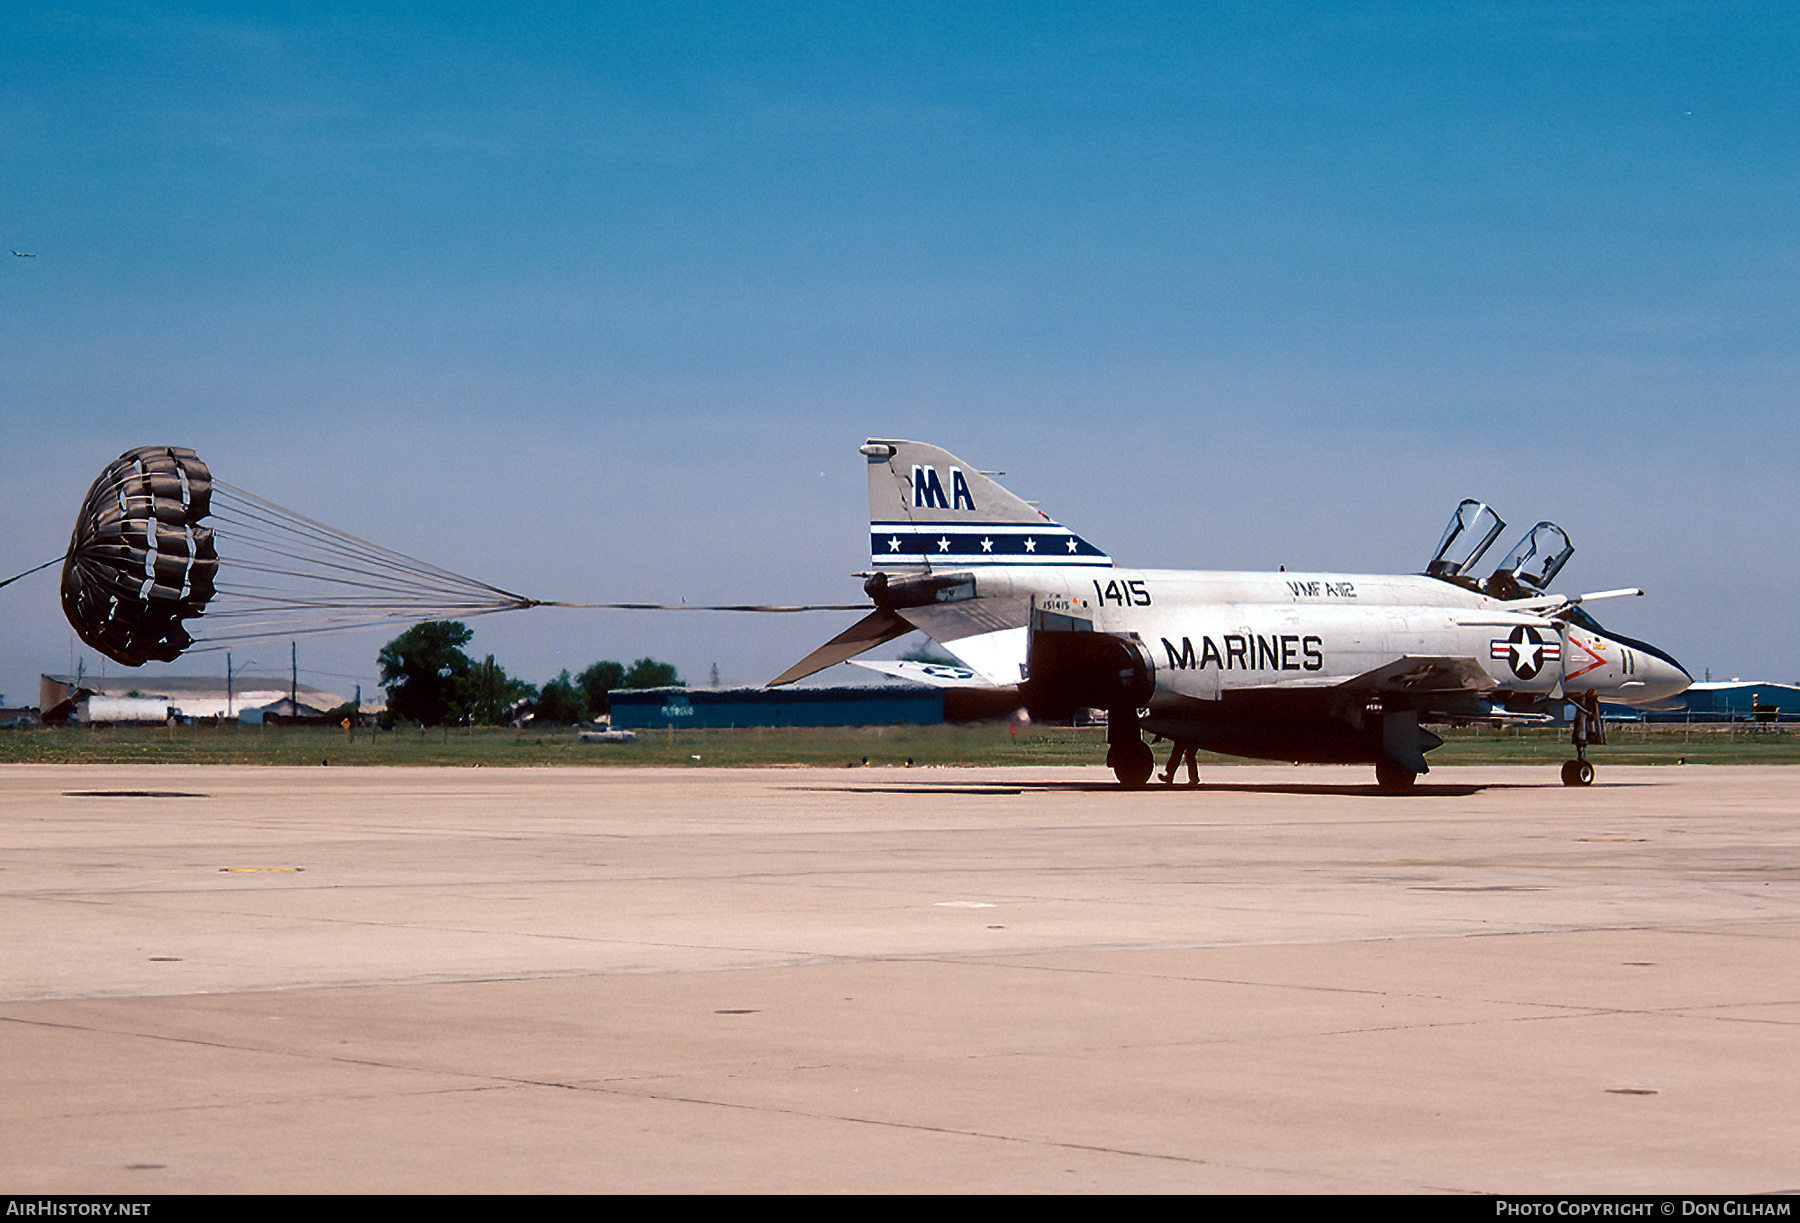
[1472, 531]
[1070, 667]
[1058, 614]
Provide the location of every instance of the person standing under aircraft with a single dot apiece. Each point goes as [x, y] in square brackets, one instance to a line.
[1180, 751]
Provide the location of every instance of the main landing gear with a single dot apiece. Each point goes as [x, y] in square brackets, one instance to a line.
[1391, 777]
[1127, 755]
[1589, 728]
[1403, 746]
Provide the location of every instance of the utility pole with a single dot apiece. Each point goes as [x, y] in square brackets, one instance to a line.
[294, 676]
[231, 684]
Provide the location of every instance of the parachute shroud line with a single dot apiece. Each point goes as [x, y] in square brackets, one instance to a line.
[165, 558]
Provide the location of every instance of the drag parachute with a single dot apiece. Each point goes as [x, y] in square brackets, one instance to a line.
[165, 557]
[139, 562]
[159, 545]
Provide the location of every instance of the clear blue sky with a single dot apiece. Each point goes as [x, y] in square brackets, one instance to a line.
[596, 301]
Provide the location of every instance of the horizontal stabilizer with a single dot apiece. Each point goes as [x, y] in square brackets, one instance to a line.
[872, 630]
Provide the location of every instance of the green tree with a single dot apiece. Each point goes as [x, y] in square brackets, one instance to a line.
[491, 695]
[561, 701]
[648, 673]
[598, 680]
[425, 671]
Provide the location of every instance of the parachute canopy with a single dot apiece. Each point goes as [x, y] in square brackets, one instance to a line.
[139, 562]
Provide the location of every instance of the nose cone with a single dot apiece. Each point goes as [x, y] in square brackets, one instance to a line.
[1653, 680]
[1663, 679]
[1620, 670]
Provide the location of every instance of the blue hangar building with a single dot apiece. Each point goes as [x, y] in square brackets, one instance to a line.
[1734, 701]
[720, 708]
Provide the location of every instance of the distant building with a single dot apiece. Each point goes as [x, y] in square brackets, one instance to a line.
[1733, 701]
[139, 698]
[885, 705]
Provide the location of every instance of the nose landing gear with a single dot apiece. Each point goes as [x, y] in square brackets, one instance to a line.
[1577, 773]
[1589, 728]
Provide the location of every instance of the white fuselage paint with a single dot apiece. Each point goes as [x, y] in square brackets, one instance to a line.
[1212, 632]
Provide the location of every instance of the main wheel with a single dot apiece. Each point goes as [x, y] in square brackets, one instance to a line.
[1132, 762]
[1577, 773]
[1393, 777]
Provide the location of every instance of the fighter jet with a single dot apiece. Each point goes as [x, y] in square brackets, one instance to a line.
[1305, 667]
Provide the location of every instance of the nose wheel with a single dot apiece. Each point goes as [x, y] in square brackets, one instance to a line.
[1589, 727]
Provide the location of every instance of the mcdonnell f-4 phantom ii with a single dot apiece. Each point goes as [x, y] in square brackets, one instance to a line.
[1304, 667]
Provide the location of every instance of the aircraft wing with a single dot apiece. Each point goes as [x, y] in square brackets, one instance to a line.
[1427, 676]
[936, 674]
[1412, 675]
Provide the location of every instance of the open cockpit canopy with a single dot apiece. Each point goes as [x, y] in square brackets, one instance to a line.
[1527, 570]
[1532, 564]
[1472, 530]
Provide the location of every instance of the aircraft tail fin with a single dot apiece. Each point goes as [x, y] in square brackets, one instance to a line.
[930, 510]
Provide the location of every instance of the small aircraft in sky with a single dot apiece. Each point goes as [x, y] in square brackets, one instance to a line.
[1304, 667]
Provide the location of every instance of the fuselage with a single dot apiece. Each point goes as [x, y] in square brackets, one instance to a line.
[1210, 634]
